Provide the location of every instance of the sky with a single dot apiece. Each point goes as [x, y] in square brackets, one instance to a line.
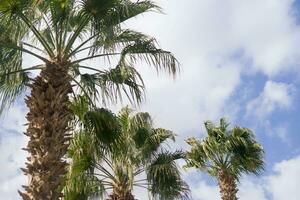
[239, 59]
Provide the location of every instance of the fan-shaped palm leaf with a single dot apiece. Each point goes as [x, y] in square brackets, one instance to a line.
[137, 149]
[226, 155]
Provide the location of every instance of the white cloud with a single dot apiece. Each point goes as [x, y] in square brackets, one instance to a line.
[12, 158]
[280, 130]
[251, 189]
[204, 191]
[284, 184]
[265, 33]
[275, 96]
[14, 119]
[200, 93]
[217, 42]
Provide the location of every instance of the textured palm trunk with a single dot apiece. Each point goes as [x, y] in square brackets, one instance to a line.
[119, 193]
[227, 185]
[48, 127]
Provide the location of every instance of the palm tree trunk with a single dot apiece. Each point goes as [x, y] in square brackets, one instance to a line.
[120, 194]
[48, 127]
[227, 185]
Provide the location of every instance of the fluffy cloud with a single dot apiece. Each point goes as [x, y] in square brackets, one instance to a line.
[252, 189]
[267, 32]
[284, 184]
[14, 119]
[203, 191]
[217, 43]
[274, 96]
[12, 158]
[263, 34]
[200, 93]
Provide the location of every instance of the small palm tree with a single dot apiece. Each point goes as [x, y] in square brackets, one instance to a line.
[226, 155]
[114, 154]
[62, 35]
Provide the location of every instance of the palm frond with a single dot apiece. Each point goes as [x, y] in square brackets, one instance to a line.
[127, 9]
[22, 19]
[82, 151]
[104, 124]
[115, 38]
[196, 156]
[122, 147]
[110, 13]
[164, 176]
[80, 106]
[247, 153]
[110, 85]
[80, 183]
[235, 151]
[11, 87]
[83, 187]
[12, 83]
[147, 51]
[141, 120]
[154, 141]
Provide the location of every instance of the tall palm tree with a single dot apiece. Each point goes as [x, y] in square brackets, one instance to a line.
[226, 155]
[115, 154]
[62, 35]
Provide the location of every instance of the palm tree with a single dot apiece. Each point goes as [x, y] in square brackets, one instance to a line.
[226, 155]
[62, 35]
[115, 154]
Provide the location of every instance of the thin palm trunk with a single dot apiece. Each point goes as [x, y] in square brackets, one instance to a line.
[48, 126]
[227, 185]
[121, 193]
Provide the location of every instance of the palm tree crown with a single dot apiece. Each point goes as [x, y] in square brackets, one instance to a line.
[117, 153]
[226, 155]
[69, 32]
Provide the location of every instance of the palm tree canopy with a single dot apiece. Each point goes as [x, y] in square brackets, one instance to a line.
[69, 32]
[235, 151]
[126, 150]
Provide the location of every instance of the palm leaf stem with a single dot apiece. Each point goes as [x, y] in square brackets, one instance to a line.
[16, 47]
[75, 35]
[95, 56]
[103, 170]
[34, 47]
[37, 34]
[141, 186]
[49, 27]
[77, 49]
[91, 68]
[85, 92]
[23, 70]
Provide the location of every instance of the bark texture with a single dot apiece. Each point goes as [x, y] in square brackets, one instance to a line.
[48, 127]
[119, 193]
[228, 187]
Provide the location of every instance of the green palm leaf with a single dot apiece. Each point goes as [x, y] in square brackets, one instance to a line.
[122, 152]
[226, 155]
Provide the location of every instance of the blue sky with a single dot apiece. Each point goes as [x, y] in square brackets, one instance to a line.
[239, 59]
